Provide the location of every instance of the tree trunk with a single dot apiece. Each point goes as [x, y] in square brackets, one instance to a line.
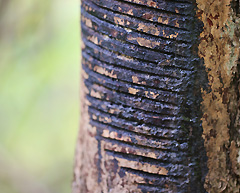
[160, 97]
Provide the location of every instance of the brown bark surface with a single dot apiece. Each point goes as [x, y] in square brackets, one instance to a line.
[219, 47]
[160, 104]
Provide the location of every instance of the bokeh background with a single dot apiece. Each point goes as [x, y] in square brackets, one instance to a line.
[39, 94]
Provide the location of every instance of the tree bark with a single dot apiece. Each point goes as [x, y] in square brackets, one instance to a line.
[160, 97]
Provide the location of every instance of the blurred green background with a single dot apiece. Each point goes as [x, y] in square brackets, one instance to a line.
[39, 109]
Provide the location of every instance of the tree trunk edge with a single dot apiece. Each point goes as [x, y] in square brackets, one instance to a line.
[219, 47]
[218, 104]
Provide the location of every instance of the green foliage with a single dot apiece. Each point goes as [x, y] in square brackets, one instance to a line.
[39, 109]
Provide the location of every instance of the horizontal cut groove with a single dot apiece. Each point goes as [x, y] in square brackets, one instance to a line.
[178, 50]
[183, 72]
[143, 159]
[190, 6]
[136, 63]
[178, 75]
[131, 95]
[138, 110]
[172, 1]
[181, 1]
[161, 157]
[133, 138]
[135, 144]
[172, 62]
[132, 133]
[131, 120]
[134, 120]
[152, 176]
[117, 45]
[162, 182]
[174, 171]
[140, 121]
[151, 188]
[150, 114]
[177, 91]
[156, 82]
[154, 44]
[177, 98]
[133, 52]
[179, 39]
[145, 106]
[167, 124]
[94, 49]
[134, 17]
[140, 147]
[132, 4]
[112, 127]
[97, 109]
[117, 68]
[176, 135]
[138, 66]
[89, 51]
[149, 108]
[88, 82]
[114, 26]
[175, 1]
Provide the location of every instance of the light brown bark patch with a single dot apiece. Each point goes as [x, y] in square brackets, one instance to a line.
[219, 47]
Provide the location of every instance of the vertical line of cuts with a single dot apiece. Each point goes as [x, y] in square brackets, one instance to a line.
[141, 97]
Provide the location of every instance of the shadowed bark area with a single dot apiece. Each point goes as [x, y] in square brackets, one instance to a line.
[144, 81]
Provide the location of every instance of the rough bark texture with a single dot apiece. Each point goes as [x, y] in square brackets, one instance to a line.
[160, 94]
[219, 48]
